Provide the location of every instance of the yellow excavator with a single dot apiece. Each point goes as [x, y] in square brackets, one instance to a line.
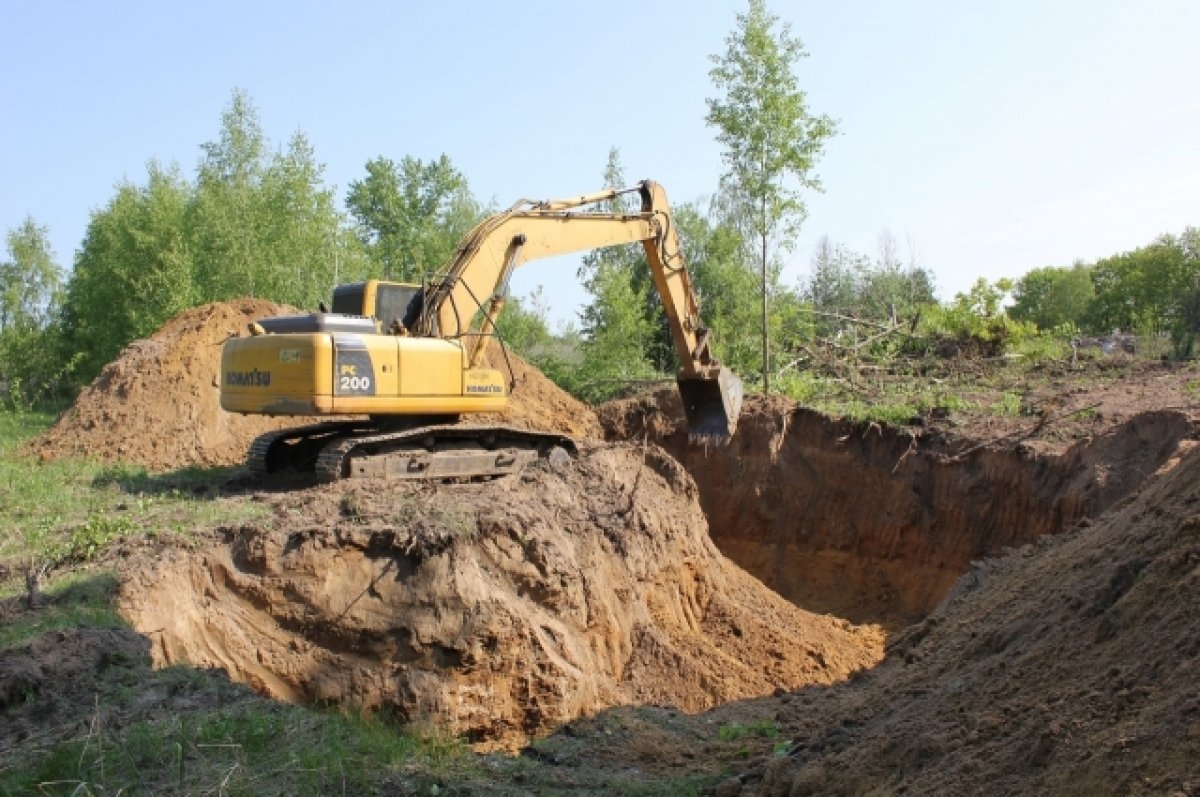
[411, 358]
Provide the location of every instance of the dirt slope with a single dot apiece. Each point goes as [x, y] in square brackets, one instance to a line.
[158, 404]
[537, 403]
[500, 610]
[1069, 667]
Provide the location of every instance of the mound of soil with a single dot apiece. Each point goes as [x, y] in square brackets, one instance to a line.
[499, 610]
[1067, 667]
[537, 403]
[158, 404]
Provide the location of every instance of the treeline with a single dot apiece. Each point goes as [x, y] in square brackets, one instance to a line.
[253, 221]
[1153, 290]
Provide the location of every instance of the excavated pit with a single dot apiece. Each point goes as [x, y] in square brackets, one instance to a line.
[875, 525]
[503, 610]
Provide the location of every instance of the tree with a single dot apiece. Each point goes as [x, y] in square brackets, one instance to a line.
[133, 271]
[411, 215]
[522, 326]
[727, 290]
[835, 285]
[32, 361]
[1052, 297]
[253, 223]
[618, 329]
[892, 289]
[263, 224]
[1142, 290]
[771, 140]
[223, 221]
[30, 279]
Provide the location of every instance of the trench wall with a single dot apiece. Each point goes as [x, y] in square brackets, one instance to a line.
[875, 524]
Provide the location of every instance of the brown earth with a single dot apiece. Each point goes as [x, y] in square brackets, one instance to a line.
[509, 609]
[498, 610]
[1067, 667]
[158, 404]
[875, 523]
[537, 403]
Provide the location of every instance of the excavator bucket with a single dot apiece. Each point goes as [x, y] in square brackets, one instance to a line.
[712, 406]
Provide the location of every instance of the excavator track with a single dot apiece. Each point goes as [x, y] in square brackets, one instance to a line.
[297, 447]
[340, 450]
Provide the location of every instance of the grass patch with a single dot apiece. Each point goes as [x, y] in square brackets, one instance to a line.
[75, 601]
[1009, 404]
[69, 509]
[765, 729]
[251, 748]
[893, 414]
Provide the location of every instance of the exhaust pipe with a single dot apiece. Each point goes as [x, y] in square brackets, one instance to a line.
[711, 406]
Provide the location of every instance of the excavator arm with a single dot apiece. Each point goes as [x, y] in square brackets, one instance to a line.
[468, 294]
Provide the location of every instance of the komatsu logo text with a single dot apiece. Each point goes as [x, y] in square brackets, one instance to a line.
[255, 378]
[484, 389]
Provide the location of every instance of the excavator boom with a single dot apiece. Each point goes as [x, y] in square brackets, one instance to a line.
[476, 277]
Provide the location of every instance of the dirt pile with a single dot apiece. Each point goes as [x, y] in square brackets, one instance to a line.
[158, 404]
[499, 610]
[537, 403]
[1067, 667]
[876, 524]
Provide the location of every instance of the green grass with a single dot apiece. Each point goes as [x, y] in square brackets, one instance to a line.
[249, 748]
[1008, 405]
[901, 392]
[70, 509]
[75, 601]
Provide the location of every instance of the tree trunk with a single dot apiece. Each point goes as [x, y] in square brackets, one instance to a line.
[766, 343]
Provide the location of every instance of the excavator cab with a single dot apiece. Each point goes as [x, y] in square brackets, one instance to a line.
[388, 303]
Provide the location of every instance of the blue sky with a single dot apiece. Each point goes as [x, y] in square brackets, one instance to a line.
[987, 138]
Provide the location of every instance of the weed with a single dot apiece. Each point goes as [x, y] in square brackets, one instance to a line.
[70, 508]
[456, 522]
[98, 530]
[351, 507]
[893, 414]
[1009, 405]
[72, 602]
[251, 748]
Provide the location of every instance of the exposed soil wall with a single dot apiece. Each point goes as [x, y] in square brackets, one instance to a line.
[499, 610]
[876, 525]
[1067, 667]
